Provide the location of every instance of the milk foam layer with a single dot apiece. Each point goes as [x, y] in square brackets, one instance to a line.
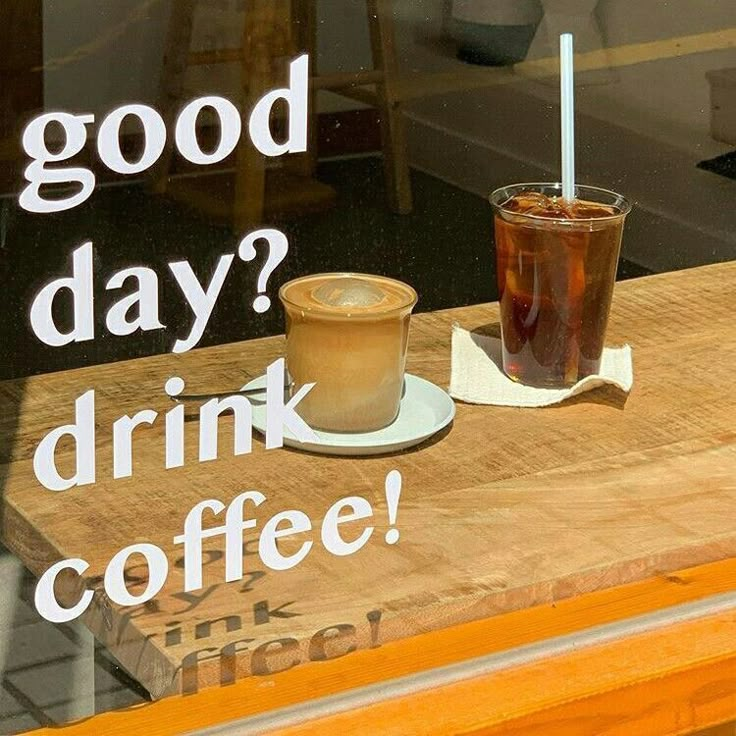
[348, 294]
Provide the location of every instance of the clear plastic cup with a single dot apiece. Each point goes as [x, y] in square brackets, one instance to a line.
[556, 267]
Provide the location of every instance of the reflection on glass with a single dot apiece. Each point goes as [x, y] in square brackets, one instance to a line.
[417, 111]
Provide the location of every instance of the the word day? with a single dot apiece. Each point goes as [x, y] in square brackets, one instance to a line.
[138, 310]
[82, 180]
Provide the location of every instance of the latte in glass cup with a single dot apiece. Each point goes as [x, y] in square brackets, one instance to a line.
[348, 334]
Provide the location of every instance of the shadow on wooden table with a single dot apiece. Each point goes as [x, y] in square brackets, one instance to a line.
[433, 440]
[491, 329]
[604, 395]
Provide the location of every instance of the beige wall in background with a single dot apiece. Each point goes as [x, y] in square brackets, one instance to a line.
[678, 113]
[668, 100]
[673, 94]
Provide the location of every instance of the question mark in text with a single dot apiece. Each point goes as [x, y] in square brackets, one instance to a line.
[278, 247]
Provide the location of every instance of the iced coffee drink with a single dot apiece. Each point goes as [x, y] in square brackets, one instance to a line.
[347, 333]
[556, 264]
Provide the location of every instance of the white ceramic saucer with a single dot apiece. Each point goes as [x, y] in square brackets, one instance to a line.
[425, 409]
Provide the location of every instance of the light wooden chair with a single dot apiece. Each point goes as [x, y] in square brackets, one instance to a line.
[274, 31]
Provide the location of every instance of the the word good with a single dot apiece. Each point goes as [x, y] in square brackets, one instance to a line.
[40, 175]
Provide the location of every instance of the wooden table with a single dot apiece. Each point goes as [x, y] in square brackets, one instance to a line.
[516, 525]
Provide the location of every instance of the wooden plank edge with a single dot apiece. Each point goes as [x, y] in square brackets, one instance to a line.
[112, 627]
[667, 682]
[258, 695]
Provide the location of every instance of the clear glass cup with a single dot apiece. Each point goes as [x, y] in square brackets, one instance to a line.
[556, 271]
[348, 333]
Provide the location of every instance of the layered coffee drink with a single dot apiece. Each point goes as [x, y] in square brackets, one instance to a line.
[347, 333]
[556, 264]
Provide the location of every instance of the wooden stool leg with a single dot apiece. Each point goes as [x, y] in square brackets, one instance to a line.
[393, 124]
[250, 164]
[304, 23]
[173, 71]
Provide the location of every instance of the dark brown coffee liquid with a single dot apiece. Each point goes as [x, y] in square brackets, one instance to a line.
[556, 270]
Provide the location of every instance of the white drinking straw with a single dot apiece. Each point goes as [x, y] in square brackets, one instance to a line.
[567, 116]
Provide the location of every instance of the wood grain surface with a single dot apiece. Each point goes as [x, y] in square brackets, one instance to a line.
[508, 510]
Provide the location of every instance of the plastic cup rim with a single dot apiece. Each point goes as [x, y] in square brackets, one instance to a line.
[620, 202]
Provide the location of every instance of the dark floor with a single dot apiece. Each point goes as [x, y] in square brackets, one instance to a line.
[443, 248]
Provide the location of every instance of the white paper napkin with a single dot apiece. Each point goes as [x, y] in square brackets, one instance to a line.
[477, 376]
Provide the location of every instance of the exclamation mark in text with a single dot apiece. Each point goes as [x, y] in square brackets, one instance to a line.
[393, 493]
